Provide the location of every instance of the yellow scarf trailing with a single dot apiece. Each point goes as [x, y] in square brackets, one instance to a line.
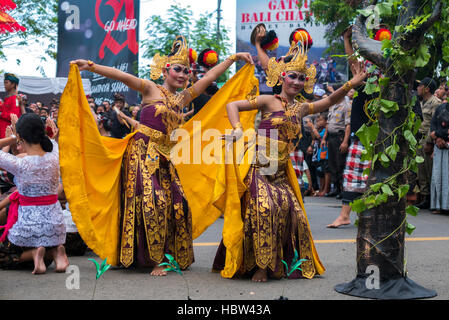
[90, 169]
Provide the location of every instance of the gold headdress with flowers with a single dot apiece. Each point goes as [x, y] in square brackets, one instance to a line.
[179, 55]
[298, 62]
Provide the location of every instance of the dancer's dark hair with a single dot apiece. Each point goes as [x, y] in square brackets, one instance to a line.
[31, 129]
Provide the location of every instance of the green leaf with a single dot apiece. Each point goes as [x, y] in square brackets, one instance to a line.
[422, 56]
[408, 135]
[368, 134]
[384, 81]
[384, 9]
[358, 205]
[419, 159]
[384, 159]
[387, 190]
[365, 12]
[402, 190]
[376, 187]
[169, 257]
[388, 107]
[286, 266]
[387, 44]
[371, 87]
[97, 265]
[410, 228]
[392, 151]
[446, 53]
[412, 210]
[381, 198]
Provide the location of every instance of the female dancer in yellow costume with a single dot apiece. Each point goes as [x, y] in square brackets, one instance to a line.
[155, 217]
[273, 215]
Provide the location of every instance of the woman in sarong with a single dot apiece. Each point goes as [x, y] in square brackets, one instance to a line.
[155, 216]
[274, 220]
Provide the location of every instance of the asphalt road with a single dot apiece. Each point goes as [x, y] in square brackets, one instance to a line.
[426, 253]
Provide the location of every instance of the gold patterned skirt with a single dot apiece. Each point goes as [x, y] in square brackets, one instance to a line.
[155, 215]
[274, 227]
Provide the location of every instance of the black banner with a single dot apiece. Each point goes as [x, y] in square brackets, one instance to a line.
[104, 31]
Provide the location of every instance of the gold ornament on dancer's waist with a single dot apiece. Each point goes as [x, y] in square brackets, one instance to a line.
[298, 62]
[179, 55]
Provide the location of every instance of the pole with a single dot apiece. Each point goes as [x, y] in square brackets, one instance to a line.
[218, 20]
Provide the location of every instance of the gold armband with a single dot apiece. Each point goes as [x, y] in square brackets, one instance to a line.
[347, 86]
[238, 125]
[91, 66]
[192, 92]
[253, 102]
[311, 108]
[233, 57]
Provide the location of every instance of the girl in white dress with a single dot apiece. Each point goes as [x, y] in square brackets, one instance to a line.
[38, 231]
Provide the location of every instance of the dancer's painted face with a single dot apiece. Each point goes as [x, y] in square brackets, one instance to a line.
[294, 82]
[177, 75]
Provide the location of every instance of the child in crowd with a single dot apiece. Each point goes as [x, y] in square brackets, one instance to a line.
[320, 156]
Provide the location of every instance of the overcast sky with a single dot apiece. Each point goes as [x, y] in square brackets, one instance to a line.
[30, 56]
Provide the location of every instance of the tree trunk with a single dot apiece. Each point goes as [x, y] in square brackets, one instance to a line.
[381, 272]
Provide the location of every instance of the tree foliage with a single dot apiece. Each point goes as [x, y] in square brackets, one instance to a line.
[40, 18]
[434, 57]
[200, 33]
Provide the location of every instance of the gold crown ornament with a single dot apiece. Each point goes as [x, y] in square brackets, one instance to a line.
[297, 61]
[179, 55]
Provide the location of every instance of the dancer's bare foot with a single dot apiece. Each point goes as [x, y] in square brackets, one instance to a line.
[159, 271]
[38, 258]
[339, 222]
[60, 258]
[260, 275]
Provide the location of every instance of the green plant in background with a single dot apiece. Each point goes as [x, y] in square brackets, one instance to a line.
[172, 265]
[101, 269]
[200, 34]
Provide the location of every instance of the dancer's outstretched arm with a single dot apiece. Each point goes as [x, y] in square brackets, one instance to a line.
[322, 105]
[146, 87]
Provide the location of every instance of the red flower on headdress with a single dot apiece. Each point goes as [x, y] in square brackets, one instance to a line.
[302, 35]
[192, 56]
[284, 74]
[167, 65]
[210, 58]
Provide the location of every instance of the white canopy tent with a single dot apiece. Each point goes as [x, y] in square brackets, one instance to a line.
[45, 86]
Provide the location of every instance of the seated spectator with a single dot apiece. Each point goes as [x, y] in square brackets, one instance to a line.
[35, 227]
